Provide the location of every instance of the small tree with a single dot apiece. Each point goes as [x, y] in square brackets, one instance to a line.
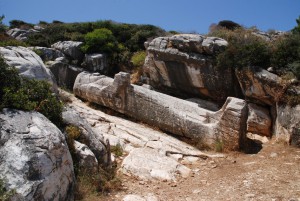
[100, 40]
[296, 30]
[2, 26]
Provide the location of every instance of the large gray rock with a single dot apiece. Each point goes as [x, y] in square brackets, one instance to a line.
[64, 73]
[93, 140]
[260, 85]
[86, 158]
[28, 63]
[259, 120]
[287, 124]
[21, 34]
[35, 159]
[48, 54]
[70, 48]
[184, 64]
[96, 63]
[168, 113]
[148, 163]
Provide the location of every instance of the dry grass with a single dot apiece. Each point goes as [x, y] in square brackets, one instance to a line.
[97, 185]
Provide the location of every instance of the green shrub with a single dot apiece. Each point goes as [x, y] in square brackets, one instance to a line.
[7, 72]
[100, 40]
[138, 58]
[244, 49]
[28, 94]
[296, 29]
[2, 26]
[117, 150]
[286, 50]
[12, 42]
[20, 24]
[229, 24]
[73, 133]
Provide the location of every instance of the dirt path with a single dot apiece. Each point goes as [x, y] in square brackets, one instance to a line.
[272, 174]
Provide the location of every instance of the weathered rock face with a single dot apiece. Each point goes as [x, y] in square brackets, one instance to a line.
[96, 63]
[183, 64]
[144, 162]
[48, 54]
[87, 159]
[287, 125]
[21, 34]
[35, 159]
[166, 112]
[260, 85]
[70, 48]
[27, 62]
[259, 120]
[64, 73]
[93, 140]
[269, 36]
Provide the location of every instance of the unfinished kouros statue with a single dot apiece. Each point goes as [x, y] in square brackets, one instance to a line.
[168, 113]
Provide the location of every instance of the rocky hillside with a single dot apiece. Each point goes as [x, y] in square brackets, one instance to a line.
[234, 89]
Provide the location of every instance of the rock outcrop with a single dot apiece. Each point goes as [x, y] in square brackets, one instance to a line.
[28, 63]
[259, 120]
[86, 158]
[47, 54]
[96, 63]
[168, 113]
[64, 73]
[259, 85]
[93, 140]
[144, 162]
[184, 64]
[281, 96]
[287, 124]
[35, 160]
[21, 34]
[70, 49]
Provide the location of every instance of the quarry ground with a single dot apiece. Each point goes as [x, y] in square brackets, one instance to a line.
[271, 174]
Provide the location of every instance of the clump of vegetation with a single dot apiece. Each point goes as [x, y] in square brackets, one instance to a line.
[20, 24]
[137, 60]
[105, 181]
[100, 40]
[286, 54]
[73, 133]
[244, 49]
[2, 26]
[5, 194]
[117, 150]
[219, 145]
[28, 94]
[97, 182]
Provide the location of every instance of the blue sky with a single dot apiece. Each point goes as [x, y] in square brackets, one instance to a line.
[178, 15]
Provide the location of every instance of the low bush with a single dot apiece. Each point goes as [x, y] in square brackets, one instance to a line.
[20, 24]
[100, 40]
[28, 94]
[138, 58]
[286, 53]
[244, 49]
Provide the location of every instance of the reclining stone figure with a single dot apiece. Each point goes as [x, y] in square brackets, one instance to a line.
[168, 113]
